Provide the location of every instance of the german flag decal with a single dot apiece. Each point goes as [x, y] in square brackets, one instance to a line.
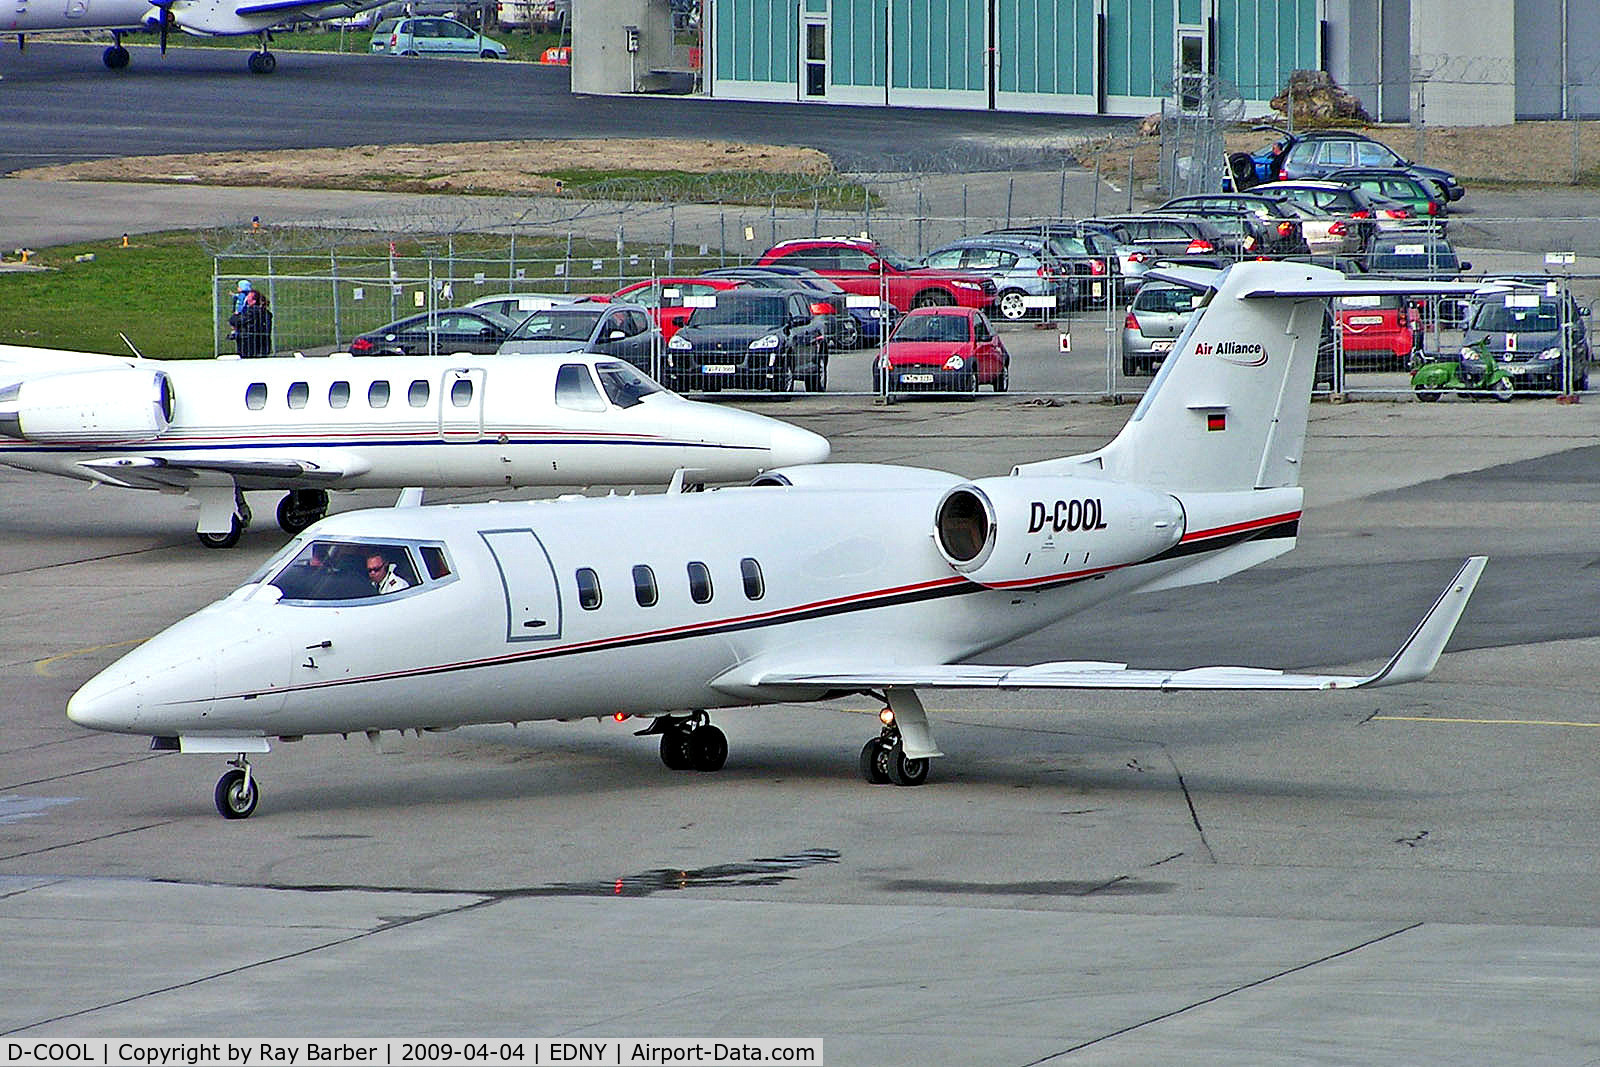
[1216, 420]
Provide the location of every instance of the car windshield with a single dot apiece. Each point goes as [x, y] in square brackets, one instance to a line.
[893, 259]
[1413, 257]
[557, 325]
[1171, 298]
[625, 385]
[747, 310]
[932, 328]
[1514, 314]
[349, 569]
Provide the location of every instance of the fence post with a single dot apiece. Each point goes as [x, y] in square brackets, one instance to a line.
[1011, 188]
[921, 211]
[1094, 206]
[216, 327]
[333, 275]
[1130, 182]
[672, 234]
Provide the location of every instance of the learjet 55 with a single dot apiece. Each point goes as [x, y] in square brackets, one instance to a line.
[215, 428]
[818, 581]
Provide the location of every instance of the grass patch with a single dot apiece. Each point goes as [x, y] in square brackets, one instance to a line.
[826, 192]
[158, 291]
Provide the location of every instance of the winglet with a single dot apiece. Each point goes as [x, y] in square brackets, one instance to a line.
[1417, 657]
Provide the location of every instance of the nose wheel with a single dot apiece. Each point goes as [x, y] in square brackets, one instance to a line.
[691, 743]
[237, 793]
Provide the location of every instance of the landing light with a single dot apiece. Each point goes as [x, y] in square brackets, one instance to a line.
[886, 716]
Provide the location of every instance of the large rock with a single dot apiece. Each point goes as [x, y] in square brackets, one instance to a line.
[1319, 101]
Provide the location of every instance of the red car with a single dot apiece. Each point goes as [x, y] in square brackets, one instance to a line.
[1383, 330]
[671, 301]
[867, 268]
[943, 349]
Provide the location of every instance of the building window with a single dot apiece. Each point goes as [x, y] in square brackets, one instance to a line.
[644, 586]
[754, 586]
[699, 583]
[588, 589]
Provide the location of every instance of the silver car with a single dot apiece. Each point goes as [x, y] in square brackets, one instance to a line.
[1158, 314]
[1020, 271]
[622, 330]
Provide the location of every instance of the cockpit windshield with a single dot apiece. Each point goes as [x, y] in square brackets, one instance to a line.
[625, 384]
[351, 569]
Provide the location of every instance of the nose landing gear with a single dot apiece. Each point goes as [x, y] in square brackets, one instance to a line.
[237, 793]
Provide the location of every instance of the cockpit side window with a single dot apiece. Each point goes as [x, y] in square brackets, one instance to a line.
[575, 390]
[624, 384]
[350, 569]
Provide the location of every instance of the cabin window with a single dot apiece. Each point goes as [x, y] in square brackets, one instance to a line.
[339, 395]
[588, 589]
[575, 390]
[255, 396]
[433, 559]
[699, 583]
[644, 586]
[299, 393]
[378, 395]
[417, 395]
[461, 393]
[755, 587]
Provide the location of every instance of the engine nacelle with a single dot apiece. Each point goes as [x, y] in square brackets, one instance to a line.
[114, 405]
[1020, 531]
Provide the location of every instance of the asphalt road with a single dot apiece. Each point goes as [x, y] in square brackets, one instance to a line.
[59, 104]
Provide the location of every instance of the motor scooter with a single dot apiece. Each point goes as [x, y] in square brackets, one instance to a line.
[1474, 375]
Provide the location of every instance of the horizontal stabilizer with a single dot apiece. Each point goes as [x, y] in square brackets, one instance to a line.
[1414, 661]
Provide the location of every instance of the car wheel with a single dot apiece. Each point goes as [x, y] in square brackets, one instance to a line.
[487, 54]
[817, 381]
[849, 334]
[969, 387]
[410, 53]
[932, 298]
[1012, 304]
[1002, 381]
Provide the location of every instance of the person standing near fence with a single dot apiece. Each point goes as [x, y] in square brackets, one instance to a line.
[252, 325]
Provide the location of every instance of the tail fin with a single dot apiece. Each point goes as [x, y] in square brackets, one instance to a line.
[1228, 410]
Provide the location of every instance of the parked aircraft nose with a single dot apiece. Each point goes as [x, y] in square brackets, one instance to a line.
[792, 446]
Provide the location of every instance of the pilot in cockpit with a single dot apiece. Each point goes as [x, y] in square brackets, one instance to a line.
[380, 572]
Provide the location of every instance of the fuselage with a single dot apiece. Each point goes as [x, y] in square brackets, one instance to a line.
[382, 422]
[518, 611]
[199, 17]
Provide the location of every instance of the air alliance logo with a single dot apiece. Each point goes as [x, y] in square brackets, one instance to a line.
[1243, 355]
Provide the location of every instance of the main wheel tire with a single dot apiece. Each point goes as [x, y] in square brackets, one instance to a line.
[300, 508]
[115, 57]
[874, 762]
[933, 298]
[1012, 304]
[708, 748]
[236, 795]
[903, 771]
[223, 540]
[676, 751]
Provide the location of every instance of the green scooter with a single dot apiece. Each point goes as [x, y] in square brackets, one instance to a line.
[1475, 375]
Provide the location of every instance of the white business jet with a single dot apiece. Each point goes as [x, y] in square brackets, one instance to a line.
[816, 582]
[215, 428]
[201, 18]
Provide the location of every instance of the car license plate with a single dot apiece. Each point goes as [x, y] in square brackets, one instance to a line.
[1366, 320]
[718, 368]
[916, 379]
[1161, 346]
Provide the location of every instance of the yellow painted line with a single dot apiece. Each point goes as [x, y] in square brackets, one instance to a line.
[43, 668]
[1485, 722]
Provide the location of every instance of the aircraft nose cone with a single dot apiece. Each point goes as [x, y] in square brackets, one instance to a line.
[105, 702]
[792, 446]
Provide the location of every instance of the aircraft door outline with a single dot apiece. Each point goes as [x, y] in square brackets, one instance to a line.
[461, 404]
[528, 580]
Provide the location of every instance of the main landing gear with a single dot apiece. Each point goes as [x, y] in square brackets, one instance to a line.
[884, 759]
[689, 742]
[263, 62]
[237, 524]
[237, 793]
[116, 56]
[300, 508]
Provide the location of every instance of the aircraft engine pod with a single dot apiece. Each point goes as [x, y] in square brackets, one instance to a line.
[124, 404]
[1018, 530]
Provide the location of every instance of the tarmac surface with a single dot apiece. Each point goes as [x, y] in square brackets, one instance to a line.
[1410, 875]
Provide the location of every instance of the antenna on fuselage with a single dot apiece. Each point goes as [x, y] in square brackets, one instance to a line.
[410, 497]
[130, 345]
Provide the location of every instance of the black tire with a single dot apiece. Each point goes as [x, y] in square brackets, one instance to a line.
[1012, 305]
[817, 381]
[708, 748]
[1427, 396]
[115, 57]
[969, 388]
[903, 771]
[300, 508]
[933, 298]
[849, 333]
[675, 750]
[1002, 381]
[223, 540]
[487, 54]
[783, 379]
[236, 795]
[1503, 390]
[874, 762]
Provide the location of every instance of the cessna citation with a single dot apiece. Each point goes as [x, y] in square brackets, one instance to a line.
[818, 581]
[215, 428]
[201, 18]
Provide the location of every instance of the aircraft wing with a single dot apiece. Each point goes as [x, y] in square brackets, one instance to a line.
[1414, 661]
[313, 8]
[181, 472]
